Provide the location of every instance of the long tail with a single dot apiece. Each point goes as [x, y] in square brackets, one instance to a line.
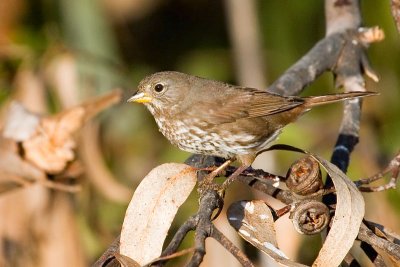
[326, 99]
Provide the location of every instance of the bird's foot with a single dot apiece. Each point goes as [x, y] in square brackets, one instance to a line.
[208, 182]
[210, 177]
[205, 185]
[233, 176]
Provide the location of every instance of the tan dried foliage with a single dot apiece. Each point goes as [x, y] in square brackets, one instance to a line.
[49, 142]
[51, 146]
[350, 209]
[152, 210]
[40, 229]
[253, 220]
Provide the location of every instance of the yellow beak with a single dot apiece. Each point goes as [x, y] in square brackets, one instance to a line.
[140, 98]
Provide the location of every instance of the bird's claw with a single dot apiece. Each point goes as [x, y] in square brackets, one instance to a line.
[206, 184]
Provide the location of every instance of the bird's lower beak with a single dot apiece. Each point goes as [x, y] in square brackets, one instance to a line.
[140, 98]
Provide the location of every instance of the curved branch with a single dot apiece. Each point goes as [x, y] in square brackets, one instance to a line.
[322, 57]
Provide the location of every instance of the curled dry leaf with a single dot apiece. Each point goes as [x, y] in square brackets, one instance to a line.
[310, 217]
[346, 221]
[304, 176]
[349, 212]
[51, 147]
[50, 144]
[254, 222]
[152, 209]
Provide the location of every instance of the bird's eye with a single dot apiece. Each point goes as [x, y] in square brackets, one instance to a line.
[158, 87]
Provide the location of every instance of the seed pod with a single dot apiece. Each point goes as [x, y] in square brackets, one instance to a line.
[304, 176]
[310, 217]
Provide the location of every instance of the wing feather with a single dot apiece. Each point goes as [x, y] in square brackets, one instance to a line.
[236, 103]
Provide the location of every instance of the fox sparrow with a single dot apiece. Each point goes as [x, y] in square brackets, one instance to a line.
[214, 118]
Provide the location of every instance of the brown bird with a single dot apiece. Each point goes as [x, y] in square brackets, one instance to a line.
[214, 118]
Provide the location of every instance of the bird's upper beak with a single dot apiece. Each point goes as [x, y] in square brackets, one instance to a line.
[140, 97]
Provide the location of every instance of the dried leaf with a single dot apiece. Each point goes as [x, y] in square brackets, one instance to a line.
[350, 209]
[51, 147]
[20, 123]
[254, 222]
[152, 209]
[346, 221]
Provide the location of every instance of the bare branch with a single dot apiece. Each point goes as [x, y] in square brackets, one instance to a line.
[392, 249]
[173, 246]
[108, 258]
[234, 250]
[380, 230]
[322, 57]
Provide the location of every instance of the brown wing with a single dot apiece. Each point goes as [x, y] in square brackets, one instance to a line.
[265, 104]
[235, 103]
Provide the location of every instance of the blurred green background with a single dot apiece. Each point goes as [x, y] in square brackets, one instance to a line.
[115, 43]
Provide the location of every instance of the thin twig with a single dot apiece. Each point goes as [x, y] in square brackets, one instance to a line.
[171, 256]
[393, 168]
[70, 188]
[228, 245]
[173, 246]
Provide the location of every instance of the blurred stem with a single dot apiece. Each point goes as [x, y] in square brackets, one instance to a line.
[244, 31]
[89, 35]
[86, 28]
[342, 15]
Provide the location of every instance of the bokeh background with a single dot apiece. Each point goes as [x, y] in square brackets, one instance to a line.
[54, 54]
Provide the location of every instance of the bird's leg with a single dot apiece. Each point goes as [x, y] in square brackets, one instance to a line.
[233, 176]
[210, 177]
[245, 161]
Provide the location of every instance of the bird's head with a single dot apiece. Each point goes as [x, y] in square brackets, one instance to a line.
[162, 91]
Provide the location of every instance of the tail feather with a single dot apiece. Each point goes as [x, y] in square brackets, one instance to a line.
[326, 99]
